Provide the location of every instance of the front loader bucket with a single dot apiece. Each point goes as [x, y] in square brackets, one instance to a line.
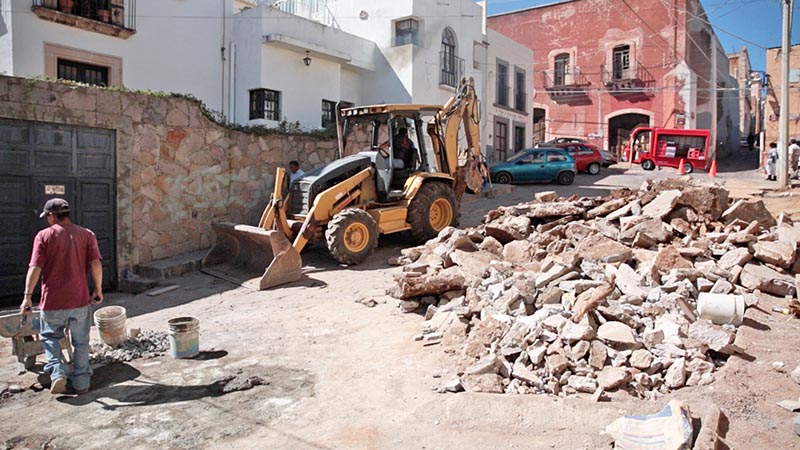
[252, 256]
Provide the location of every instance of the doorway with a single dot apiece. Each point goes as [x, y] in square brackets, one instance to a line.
[620, 127]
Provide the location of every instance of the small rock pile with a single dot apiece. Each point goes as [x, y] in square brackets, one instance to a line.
[147, 344]
[567, 295]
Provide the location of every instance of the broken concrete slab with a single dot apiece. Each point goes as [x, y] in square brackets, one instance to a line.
[662, 204]
[767, 280]
[748, 211]
[779, 253]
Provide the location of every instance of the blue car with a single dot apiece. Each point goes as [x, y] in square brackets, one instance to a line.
[536, 164]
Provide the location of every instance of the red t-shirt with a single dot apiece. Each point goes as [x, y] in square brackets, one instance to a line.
[64, 253]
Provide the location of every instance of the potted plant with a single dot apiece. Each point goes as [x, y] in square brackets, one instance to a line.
[103, 15]
[65, 6]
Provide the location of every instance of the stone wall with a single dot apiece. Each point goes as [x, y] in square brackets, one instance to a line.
[177, 171]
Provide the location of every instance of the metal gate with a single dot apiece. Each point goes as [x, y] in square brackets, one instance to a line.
[39, 161]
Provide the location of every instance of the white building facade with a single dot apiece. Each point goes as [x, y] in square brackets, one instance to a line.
[268, 62]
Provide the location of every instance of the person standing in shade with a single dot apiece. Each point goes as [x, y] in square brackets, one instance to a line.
[751, 141]
[295, 172]
[62, 255]
[772, 160]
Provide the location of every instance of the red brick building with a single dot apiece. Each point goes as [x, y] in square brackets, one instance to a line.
[601, 67]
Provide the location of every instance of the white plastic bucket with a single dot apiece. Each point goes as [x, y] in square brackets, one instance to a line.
[184, 337]
[721, 308]
[110, 321]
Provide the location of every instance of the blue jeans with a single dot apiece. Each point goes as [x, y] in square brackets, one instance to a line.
[79, 322]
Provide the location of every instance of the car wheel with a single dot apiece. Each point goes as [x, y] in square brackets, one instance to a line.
[566, 178]
[593, 168]
[503, 178]
[688, 167]
[648, 165]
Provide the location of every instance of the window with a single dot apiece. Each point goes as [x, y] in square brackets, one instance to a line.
[519, 138]
[584, 150]
[535, 157]
[561, 69]
[265, 104]
[406, 32]
[519, 90]
[501, 140]
[450, 63]
[82, 72]
[622, 62]
[328, 114]
[502, 83]
[555, 157]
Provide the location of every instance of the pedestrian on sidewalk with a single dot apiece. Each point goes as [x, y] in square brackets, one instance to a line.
[751, 140]
[794, 157]
[772, 159]
[62, 255]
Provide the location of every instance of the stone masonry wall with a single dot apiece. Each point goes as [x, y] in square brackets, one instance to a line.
[177, 171]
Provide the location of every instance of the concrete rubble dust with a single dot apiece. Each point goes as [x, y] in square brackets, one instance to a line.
[147, 344]
[568, 295]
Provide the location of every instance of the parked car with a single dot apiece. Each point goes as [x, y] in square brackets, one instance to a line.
[609, 159]
[561, 140]
[536, 164]
[587, 157]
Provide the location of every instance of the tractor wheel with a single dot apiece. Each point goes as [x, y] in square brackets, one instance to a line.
[648, 165]
[433, 208]
[352, 236]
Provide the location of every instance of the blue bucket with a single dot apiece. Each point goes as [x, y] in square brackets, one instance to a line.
[184, 337]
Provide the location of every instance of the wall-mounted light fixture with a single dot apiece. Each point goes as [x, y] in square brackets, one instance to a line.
[307, 59]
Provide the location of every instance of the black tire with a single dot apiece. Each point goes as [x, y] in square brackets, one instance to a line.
[593, 168]
[688, 167]
[565, 178]
[648, 165]
[503, 178]
[432, 209]
[352, 235]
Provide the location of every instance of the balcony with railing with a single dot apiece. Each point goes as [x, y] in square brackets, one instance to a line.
[316, 10]
[452, 69]
[111, 17]
[564, 82]
[620, 80]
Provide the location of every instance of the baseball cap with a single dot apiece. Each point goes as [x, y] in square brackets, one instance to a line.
[55, 206]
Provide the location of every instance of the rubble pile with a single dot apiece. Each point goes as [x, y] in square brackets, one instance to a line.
[567, 295]
[145, 344]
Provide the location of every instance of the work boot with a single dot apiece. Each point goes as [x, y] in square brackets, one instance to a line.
[58, 386]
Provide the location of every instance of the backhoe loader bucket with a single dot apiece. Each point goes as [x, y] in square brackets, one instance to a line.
[242, 252]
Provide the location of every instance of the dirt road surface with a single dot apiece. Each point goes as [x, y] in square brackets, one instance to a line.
[339, 374]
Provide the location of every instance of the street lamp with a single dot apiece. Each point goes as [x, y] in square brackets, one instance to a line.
[307, 59]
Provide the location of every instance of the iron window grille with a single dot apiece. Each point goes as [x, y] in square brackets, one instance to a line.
[406, 32]
[502, 84]
[121, 13]
[82, 72]
[519, 90]
[265, 104]
[328, 114]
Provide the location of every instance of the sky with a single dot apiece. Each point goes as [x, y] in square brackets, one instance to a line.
[756, 21]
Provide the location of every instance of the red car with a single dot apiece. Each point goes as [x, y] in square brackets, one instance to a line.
[587, 157]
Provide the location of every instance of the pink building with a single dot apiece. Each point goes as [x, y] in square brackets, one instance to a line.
[601, 68]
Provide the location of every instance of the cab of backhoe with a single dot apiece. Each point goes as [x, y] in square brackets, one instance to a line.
[375, 131]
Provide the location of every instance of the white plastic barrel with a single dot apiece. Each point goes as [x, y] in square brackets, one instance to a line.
[721, 308]
[110, 321]
[184, 337]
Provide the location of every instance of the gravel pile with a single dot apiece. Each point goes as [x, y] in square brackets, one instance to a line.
[567, 295]
[147, 344]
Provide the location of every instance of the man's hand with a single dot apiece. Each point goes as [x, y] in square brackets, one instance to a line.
[26, 306]
[97, 297]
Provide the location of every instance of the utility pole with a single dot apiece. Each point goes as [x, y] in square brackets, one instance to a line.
[783, 124]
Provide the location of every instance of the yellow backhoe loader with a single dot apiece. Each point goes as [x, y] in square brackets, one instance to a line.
[381, 188]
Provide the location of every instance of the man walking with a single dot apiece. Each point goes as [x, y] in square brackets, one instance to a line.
[62, 255]
[794, 157]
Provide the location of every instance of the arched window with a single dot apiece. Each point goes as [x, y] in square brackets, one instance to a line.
[451, 64]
